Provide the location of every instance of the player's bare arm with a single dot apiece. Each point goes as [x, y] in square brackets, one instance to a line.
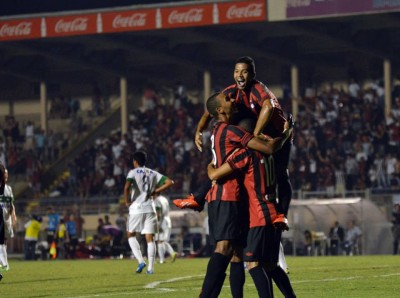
[266, 112]
[217, 173]
[126, 193]
[13, 215]
[272, 145]
[201, 126]
[167, 184]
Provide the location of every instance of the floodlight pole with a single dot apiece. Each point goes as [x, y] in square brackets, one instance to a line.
[295, 90]
[387, 85]
[124, 105]
[43, 106]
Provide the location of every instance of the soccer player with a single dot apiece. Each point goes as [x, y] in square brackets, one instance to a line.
[141, 186]
[8, 219]
[164, 229]
[225, 208]
[260, 252]
[252, 100]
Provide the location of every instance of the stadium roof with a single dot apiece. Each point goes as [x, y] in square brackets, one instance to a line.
[324, 49]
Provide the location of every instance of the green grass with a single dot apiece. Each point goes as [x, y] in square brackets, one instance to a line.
[358, 276]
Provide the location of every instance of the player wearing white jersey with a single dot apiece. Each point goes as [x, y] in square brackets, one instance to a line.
[164, 229]
[7, 217]
[141, 186]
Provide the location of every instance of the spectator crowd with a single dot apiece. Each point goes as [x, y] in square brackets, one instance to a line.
[342, 142]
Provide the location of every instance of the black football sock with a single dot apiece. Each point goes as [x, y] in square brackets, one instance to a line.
[200, 194]
[237, 279]
[261, 281]
[218, 287]
[215, 271]
[282, 282]
[271, 285]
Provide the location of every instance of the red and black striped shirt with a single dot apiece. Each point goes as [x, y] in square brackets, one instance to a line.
[249, 103]
[260, 184]
[225, 138]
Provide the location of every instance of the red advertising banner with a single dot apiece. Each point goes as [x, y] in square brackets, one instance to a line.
[133, 20]
[244, 11]
[187, 16]
[314, 8]
[20, 29]
[71, 25]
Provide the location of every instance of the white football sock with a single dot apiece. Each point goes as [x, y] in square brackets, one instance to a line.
[168, 248]
[282, 260]
[161, 251]
[3, 255]
[151, 255]
[135, 247]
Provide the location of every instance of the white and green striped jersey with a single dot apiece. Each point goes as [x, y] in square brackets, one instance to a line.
[7, 198]
[6, 201]
[143, 182]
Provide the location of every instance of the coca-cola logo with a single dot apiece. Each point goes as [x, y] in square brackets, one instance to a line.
[134, 20]
[77, 24]
[250, 11]
[194, 15]
[20, 29]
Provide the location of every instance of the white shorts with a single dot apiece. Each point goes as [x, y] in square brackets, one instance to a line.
[164, 233]
[8, 228]
[144, 223]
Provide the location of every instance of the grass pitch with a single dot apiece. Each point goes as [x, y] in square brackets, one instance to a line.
[358, 276]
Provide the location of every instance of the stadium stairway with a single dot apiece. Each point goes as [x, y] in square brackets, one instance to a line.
[99, 126]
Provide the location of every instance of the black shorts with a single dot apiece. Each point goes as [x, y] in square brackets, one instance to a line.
[50, 236]
[260, 244]
[227, 221]
[281, 159]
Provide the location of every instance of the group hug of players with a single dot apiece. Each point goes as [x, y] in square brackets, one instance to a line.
[250, 193]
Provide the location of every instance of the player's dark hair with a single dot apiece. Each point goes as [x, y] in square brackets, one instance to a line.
[247, 124]
[212, 104]
[249, 61]
[140, 157]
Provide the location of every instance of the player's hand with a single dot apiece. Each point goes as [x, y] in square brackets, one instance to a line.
[263, 137]
[290, 121]
[198, 140]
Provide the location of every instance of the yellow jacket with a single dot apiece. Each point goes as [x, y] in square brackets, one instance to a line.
[32, 230]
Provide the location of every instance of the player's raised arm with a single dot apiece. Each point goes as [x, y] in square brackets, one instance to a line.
[201, 126]
[266, 112]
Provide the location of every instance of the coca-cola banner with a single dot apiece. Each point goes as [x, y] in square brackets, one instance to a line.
[71, 25]
[20, 29]
[129, 20]
[244, 11]
[314, 8]
[188, 16]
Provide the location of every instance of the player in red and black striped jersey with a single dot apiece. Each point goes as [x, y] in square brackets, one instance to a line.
[225, 216]
[254, 100]
[262, 246]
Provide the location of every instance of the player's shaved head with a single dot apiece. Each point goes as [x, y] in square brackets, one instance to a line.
[213, 103]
